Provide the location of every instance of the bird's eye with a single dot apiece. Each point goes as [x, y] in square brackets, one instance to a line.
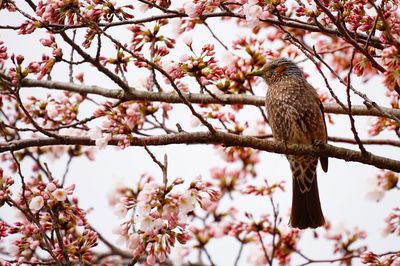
[274, 66]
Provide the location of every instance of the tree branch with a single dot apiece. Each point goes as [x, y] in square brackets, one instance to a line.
[195, 98]
[296, 24]
[225, 139]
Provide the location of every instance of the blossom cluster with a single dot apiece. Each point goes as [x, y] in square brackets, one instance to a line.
[160, 216]
[383, 182]
[261, 231]
[203, 67]
[5, 183]
[370, 258]
[55, 110]
[122, 121]
[197, 7]
[3, 54]
[264, 190]
[346, 241]
[393, 222]
[47, 213]
[142, 35]
[246, 156]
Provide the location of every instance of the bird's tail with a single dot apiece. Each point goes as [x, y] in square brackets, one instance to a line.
[306, 207]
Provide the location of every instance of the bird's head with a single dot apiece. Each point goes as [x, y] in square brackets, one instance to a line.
[277, 69]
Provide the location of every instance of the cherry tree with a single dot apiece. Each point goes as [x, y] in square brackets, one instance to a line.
[83, 77]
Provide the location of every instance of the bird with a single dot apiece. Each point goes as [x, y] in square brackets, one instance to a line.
[296, 116]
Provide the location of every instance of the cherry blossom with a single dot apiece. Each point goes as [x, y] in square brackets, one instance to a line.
[36, 203]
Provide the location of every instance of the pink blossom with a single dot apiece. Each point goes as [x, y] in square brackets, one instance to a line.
[101, 139]
[51, 187]
[133, 241]
[120, 210]
[151, 259]
[193, 10]
[95, 133]
[59, 194]
[252, 11]
[3, 229]
[143, 208]
[46, 42]
[103, 142]
[52, 111]
[368, 257]
[188, 40]
[34, 67]
[187, 201]
[36, 203]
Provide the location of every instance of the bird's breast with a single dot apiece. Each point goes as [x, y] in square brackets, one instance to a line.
[293, 114]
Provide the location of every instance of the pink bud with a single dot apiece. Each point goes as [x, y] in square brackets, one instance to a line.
[20, 59]
[57, 52]
[51, 187]
[46, 42]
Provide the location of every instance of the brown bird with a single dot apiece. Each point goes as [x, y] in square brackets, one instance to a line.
[296, 116]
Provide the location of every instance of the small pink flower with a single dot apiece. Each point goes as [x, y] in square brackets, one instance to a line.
[58, 52]
[103, 142]
[143, 208]
[133, 241]
[80, 77]
[36, 203]
[193, 10]
[20, 59]
[187, 202]
[368, 257]
[59, 194]
[146, 224]
[252, 11]
[34, 67]
[188, 40]
[95, 133]
[151, 259]
[52, 111]
[51, 187]
[120, 211]
[46, 42]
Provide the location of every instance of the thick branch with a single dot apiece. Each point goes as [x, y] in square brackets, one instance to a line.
[195, 98]
[225, 139]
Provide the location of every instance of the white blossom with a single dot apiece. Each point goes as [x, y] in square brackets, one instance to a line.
[120, 210]
[52, 111]
[36, 203]
[60, 194]
[187, 202]
[252, 11]
[95, 133]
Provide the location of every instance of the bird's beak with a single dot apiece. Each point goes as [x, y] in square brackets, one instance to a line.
[258, 73]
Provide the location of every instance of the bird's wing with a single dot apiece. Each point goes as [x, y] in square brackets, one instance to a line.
[323, 160]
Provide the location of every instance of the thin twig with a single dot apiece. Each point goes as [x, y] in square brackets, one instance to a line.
[67, 166]
[71, 59]
[263, 248]
[239, 253]
[163, 167]
[215, 36]
[352, 122]
[208, 256]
